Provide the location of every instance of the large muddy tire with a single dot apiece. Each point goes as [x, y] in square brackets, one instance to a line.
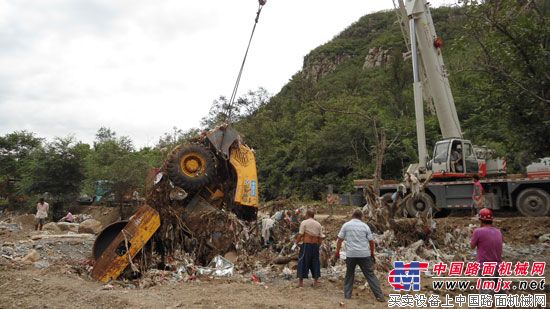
[533, 202]
[191, 167]
[419, 205]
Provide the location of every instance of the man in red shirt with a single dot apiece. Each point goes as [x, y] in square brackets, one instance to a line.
[487, 240]
[477, 195]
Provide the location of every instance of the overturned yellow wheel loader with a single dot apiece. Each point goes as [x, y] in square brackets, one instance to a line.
[218, 167]
[203, 195]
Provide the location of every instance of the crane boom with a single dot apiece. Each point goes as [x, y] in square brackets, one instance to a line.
[431, 59]
[430, 75]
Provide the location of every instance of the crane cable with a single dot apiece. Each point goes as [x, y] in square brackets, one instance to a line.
[261, 4]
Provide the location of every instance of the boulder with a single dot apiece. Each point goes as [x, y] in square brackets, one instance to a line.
[91, 226]
[66, 226]
[52, 226]
[32, 256]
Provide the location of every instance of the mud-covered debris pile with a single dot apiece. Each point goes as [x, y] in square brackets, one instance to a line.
[197, 227]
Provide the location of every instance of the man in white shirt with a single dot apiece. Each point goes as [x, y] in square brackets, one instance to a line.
[359, 251]
[41, 213]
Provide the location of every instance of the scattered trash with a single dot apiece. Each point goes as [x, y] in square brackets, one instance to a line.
[218, 267]
[108, 287]
[287, 273]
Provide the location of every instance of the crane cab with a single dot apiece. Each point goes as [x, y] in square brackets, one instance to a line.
[454, 158]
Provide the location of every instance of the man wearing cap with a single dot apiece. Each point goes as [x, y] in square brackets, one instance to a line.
[311, 235]
[487, 240]
[359, 251]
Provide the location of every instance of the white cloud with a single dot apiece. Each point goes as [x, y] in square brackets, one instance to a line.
[141, 67]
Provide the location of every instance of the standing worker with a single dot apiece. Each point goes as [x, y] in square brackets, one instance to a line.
[477, 195]
[358, 237]
[311, 234]
[41, 213]
[413, 182]
[487, 239]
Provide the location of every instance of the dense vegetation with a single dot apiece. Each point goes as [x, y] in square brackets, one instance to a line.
[337, 117]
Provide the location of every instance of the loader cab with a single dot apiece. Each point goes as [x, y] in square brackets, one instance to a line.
[454, 158]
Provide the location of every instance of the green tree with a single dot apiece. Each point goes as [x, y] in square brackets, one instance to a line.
[169, 140]
[57, 168]
[15, 148]
[513, 40]
[114, 159]
[223, 111]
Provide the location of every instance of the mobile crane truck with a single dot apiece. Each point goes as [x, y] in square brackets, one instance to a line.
[455, 159]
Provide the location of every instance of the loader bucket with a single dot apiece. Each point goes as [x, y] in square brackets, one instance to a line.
[106, 237]
[127, 243]
[223, 138]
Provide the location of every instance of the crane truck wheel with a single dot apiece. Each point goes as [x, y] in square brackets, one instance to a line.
[419, 205]
[533, 202]
[191, 167]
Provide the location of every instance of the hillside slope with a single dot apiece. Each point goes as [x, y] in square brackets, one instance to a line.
[355, 92]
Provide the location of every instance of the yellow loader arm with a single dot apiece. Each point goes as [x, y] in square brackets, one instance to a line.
[243, 160]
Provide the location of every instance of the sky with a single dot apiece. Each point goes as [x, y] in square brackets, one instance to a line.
[142, 67]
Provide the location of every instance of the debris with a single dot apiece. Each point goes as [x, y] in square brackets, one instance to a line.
[61, 236]
[91, 226]
[218, 267]
[448, 238]
[282, 260]
[146, 283]
[7, 257]
[108, 287]
[32, 256]
[544, 238]
[37, 280]
[255, 279]
[287, 273]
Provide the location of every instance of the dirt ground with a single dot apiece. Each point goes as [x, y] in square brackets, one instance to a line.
[61, 277]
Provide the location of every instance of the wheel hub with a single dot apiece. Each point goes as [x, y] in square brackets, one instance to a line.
[534, 202]
[192, 165]
[420, 206]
